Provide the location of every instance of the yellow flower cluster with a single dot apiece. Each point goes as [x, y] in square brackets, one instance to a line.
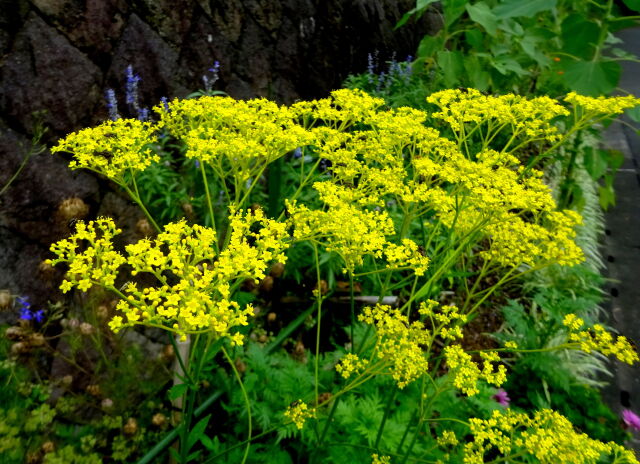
[399, 342]
[447, 438]
[298, 412]
[547, 437]
[466, 372]
[602, 105]
[377, 459]
[530, 117]
[598, 339]
[446, 322]
[112, 148]
[193, 293]
[349, 364]
[98, 262]
[234, 134]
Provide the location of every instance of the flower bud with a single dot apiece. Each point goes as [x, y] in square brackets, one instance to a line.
[277, 270]
[93, 390]
[159, 420]
[107, 404]
[14, 333]
[86, 328]
[144, 228]
[67, 380]
[36, 339]
[73, 208]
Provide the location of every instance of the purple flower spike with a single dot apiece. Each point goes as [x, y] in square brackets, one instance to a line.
[165, 104]
[25, 314]
[631, 419]
[132, 87]
[112, 104]
[502, 397]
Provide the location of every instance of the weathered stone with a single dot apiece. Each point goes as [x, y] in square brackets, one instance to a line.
[171, 19]
[45, 72]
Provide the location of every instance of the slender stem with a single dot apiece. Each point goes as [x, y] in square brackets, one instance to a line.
[387, 409]
[135, 197]
[319, 317]
[209, 204]
[246, 400]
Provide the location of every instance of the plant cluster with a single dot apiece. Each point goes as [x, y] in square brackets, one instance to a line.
[442, 210]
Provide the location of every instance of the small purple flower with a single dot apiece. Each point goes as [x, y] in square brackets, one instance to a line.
[197, 164]
[39, 316]
[297, 153]
[112, 104]
[631, 419]
[502, 397]
[132, 87]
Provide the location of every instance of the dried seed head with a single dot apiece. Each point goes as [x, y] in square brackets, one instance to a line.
[15, 333]
[93, 390]
[266, 284]
[48, 447]
[73, 208]
[263, 338]
[107, 404]
[324, 287]
[277, 270]
[6, 300]
[159, 420]
[102, 312]
[67, 380]
[144, 228]
[36, 339]
[34, 458]
[131, 427]
[324, 397]
[188, 209]
[271, 317]
[19, 348]
[86, 328]
[240, 366]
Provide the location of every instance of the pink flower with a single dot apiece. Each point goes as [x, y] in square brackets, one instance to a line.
[631, 419]
[502, 397]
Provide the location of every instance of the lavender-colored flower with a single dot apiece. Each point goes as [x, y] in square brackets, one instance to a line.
[207, 84]
[215, 71]
[502, 397]
[197, 164]
[381, 80]
[112, 104]
[143, 114]
[132, 87]
[26, 314]
[631, 419]
[297, 153]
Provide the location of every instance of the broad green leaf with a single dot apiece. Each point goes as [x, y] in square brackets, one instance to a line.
[177, 391]
[607, 197]
[452, 10]
[531, 46]
[479, 78]
[452, 67]
[430, 45]
[482, 14]
[475, 39]
[594, 163]
[197, 432]
[632, 4]
[505, 64]
[592, 77]
[634, 113]
[518, 8]
[579, 36]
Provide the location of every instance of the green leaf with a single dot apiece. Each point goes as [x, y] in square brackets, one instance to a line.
[482, 14]
[475, 39]
[421, 6]
[452, 10]
[634, 113]
[479, 78]
[177, 391]
[594, 163]
[505, 64]
[430, 45]
[197, 432]
[607, 197]
[518, 8]
[579, 36]
[530, 45]
[592, 77]
[452, 66]
[632, 4]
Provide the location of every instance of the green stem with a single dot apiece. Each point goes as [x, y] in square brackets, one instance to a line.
[387, 410]
[319, 316]
[247, 403]
[210, 205]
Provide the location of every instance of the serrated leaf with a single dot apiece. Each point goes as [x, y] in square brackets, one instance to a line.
[177, 391]
[592, 77]
[519, 8]
[482, 14]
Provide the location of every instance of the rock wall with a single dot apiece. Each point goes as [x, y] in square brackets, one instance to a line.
[59, 57]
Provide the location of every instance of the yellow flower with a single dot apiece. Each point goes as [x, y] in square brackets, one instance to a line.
[298, 412]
